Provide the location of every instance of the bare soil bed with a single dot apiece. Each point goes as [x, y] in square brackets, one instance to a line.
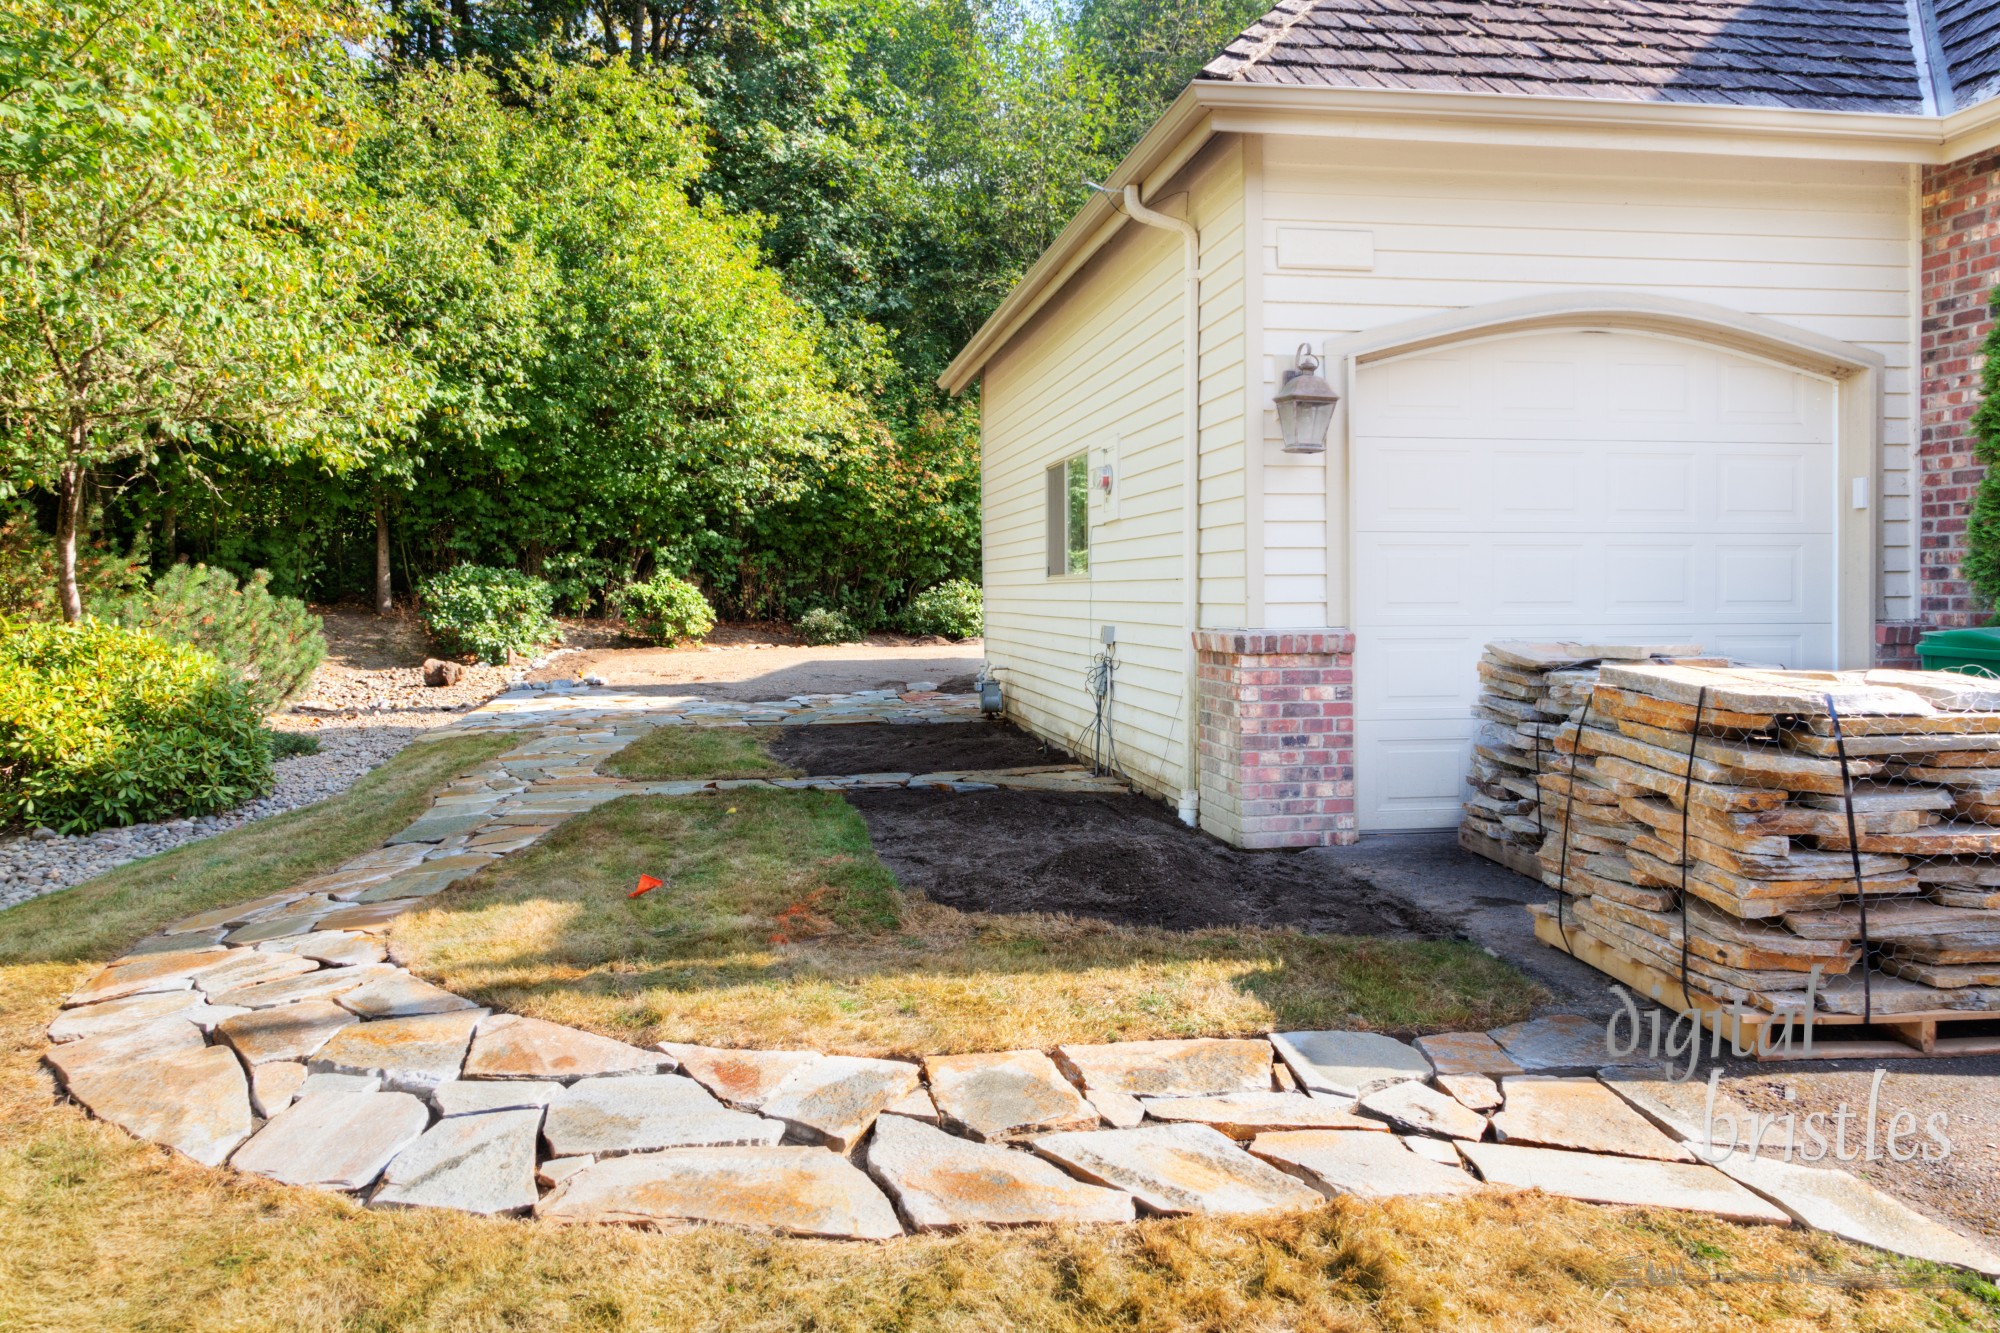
[1123, 859]
[939, 748]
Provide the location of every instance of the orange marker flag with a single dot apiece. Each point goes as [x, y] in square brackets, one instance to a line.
[646, 885]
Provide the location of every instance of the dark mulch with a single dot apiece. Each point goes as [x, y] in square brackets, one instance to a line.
[1125, 859]
[935, 748]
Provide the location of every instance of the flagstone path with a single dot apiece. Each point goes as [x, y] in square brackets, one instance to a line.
[274, 1036]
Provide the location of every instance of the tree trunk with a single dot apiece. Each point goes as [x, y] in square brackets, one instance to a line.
[639, 43]
[385, 601]
[69, 516]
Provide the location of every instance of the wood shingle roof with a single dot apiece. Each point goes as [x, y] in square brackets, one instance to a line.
[1832, 55]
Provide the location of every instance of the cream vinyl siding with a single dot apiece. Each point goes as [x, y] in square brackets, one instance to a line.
[1102, 370]
[1821, 245]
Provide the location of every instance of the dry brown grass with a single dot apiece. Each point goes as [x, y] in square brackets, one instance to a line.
[779, 927]
[99, 1231]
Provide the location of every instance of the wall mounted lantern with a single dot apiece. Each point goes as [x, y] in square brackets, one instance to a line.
[1305, 405]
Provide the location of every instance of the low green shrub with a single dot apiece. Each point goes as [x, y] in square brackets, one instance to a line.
[666, 609]
[487, 612]
[104, 725]
[953, 609]
[272, 642]
[821, 626]
[291, 744]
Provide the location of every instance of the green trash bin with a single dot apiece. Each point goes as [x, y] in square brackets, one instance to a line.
[1975, 652]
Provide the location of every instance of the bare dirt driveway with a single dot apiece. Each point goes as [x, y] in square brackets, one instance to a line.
[752, 662]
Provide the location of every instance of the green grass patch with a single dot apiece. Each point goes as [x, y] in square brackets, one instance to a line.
[779, 926]
[684, 753]
[107, 915]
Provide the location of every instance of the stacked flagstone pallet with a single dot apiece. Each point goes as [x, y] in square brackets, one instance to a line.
[1717, 798]
[1527, 689]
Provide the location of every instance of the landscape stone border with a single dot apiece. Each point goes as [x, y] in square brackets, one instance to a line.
[276, 1036]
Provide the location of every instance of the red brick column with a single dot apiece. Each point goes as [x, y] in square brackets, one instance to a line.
[1961, 266]
[1277, 736]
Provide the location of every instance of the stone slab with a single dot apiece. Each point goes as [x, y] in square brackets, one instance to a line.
[1120, 1110]
[1579, 1114]
[834, 1099]
[941, 1182]
[1006, 1094]
[1628, 1180]
[195, 1101]
[1466, 1053]
[134, 1011]
[481, 1163]
[1560, 1043]
[511, 1046]
[468, 1097]
[325, 984]
[372, 918]
[641, 1113]
[798, 1191]
[1245, 1115]
[338, 1083]
[336, 948]
[555, 1170]
[407, 1054]
[1684, 1112]
[1348, 1064]
[334, 1140]
[743, 1079]
[1444, 1151]
[275, 1085]
[1176, 1169]
[1372, 1166]
[143, 974]
[288, 1032]
[397, 994]
[1202, 1067]
[251, 967]
[235, 914]
[1831, 1200]
[917, 1106]
[1475, 1092]
[1416, 1109]
[124, 1046]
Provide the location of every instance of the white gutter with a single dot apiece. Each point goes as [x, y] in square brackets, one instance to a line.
[1134, 208]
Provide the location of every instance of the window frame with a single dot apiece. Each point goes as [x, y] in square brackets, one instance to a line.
[1066, 517]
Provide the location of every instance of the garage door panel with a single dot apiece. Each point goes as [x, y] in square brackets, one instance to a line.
[1571, 484]
[1413, 780]
[1421, 676]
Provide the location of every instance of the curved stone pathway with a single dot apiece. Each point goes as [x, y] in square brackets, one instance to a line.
[277, 1037]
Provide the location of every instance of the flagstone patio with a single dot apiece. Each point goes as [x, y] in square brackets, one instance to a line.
[277, 1037]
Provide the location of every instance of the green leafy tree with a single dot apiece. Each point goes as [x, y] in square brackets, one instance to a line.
[1981, 566]
[173, 259]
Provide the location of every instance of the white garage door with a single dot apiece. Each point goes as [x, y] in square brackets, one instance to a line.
[1577, 484]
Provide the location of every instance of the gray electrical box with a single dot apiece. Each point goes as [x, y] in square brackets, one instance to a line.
[1110, 634]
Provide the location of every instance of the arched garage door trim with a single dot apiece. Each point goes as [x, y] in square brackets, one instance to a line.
[1856, 372]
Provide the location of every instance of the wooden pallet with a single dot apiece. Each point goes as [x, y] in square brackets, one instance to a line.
[1521, 860]
[1937, 1033]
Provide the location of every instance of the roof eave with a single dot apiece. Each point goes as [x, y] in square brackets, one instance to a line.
[1209, 107]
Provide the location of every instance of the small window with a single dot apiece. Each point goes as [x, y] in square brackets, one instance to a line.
[1069, 516]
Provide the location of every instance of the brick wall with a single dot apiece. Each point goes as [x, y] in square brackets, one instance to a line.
[1277, 736]
[1961, 266]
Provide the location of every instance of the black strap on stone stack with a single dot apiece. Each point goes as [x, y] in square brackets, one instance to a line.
[1541, 830]
[1569, 811]
[1687, 821]
[1854, 852]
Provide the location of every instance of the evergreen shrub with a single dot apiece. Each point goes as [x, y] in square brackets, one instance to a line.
[487, 612]
[953, 608]
[1981, 566]
[272, 642]
[821, 626]
[665, 609]
[102, 725]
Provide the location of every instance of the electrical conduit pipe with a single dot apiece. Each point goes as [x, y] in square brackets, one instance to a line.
[1135, 208]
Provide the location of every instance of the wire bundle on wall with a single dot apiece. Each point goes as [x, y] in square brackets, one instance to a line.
[1097, 680]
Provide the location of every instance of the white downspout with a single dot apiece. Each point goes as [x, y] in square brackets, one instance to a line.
[1190, 803]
